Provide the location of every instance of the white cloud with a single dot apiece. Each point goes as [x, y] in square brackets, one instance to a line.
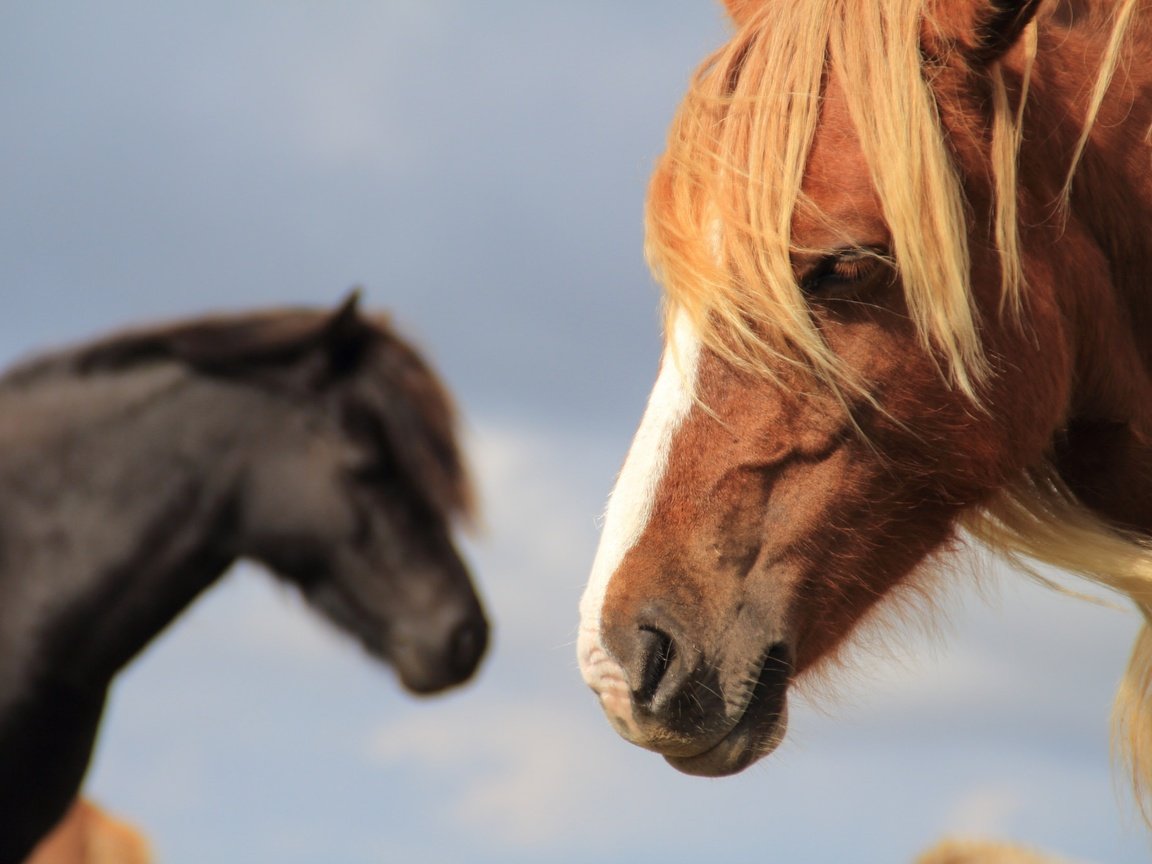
[987, 811]
[524, 770]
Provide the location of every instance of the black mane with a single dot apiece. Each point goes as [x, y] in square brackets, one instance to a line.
[388, 392]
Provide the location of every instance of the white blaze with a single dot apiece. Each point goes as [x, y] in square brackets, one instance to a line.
[631, 501]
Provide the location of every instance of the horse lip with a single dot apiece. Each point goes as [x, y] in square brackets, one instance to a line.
[759, 729]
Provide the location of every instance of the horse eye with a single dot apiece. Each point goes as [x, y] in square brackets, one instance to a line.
[368, 473]
[843, 272]
[377, 470]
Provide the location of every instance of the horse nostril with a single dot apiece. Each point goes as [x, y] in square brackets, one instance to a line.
[467, 645]
[657, 651]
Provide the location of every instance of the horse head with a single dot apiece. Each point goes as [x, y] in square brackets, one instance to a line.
[354, 501]
[349, 476]
[866, 343]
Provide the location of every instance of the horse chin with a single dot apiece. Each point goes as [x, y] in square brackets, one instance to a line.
[758, 732]
[422, 677]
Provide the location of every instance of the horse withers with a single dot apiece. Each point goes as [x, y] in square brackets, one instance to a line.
[136, 469]
[905, 246]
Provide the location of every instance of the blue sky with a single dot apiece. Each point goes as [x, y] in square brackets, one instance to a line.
[480, 170]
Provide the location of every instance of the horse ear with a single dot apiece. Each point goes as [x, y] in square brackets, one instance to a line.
[1004, 27]
[346, 335]
[985, 30]
[741, 11]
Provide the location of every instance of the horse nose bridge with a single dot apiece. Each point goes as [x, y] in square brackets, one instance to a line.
[434, 595]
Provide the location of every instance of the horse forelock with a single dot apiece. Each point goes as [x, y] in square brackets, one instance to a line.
[725, 193]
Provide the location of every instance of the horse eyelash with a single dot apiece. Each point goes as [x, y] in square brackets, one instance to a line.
[849, 266]
[853, 269]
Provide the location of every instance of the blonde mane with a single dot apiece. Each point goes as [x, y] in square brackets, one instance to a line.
[724, 195]
[719, 238]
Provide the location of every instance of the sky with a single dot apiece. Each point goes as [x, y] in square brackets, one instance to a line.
[479, 169]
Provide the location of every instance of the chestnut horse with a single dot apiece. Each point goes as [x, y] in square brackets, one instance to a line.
[906, 248]
[136, 469]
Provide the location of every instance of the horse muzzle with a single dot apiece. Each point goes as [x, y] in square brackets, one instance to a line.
[707, 715]
[438, 651]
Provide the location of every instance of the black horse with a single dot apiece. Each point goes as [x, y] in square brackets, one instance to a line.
[135, 470]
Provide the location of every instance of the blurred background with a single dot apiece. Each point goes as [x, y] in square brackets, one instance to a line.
[480, 169]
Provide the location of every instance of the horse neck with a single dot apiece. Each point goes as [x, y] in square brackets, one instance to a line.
[1097, 253]
[114, 512]
[1111, 196]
